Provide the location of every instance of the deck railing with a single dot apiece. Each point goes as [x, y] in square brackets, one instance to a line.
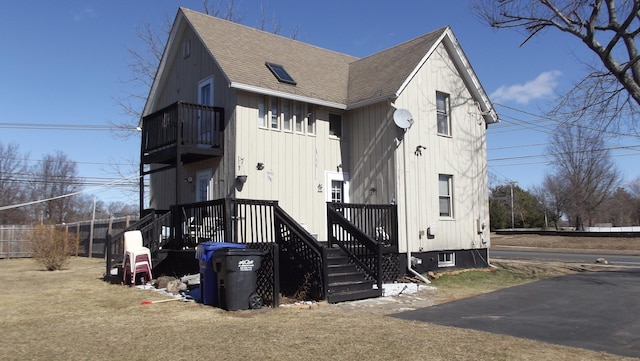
[255, 223]
[183, 124]
[194, 223]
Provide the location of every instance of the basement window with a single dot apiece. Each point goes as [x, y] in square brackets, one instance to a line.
[446, 259]
[280, 73]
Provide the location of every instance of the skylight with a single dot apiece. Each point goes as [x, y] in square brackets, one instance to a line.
[280, 73]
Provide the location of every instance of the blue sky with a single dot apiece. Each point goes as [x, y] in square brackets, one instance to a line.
[65, 62]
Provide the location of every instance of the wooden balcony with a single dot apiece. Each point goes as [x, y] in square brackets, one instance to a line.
[182, 132]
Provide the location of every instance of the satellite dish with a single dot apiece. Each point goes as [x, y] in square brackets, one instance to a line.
[403, 118]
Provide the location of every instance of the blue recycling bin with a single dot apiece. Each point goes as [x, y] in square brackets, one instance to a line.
[208, 276]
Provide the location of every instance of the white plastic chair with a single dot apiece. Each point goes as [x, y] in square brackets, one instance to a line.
[137, 258]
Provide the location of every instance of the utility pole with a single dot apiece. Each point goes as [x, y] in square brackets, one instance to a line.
[512, 217]
[93, 219]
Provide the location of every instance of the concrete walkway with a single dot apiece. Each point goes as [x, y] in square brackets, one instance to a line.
[592, 310]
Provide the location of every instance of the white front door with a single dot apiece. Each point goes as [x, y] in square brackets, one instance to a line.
[203, 185]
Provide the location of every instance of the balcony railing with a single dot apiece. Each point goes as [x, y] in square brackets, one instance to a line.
[183, 124]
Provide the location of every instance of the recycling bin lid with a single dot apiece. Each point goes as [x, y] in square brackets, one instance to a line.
[206, 249]
[237, 251]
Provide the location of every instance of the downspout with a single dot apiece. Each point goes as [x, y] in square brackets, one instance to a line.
[406, 216]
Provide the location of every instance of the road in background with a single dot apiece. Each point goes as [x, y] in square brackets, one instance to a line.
[630, 260]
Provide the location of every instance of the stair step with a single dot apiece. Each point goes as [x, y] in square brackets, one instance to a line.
[345, 277]
[349, 286]
[342, 268]
[352, 296]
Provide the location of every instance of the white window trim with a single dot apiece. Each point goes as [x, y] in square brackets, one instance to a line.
[278, 116]
[307, 109]
[208, 175]
[206, 81]
[448, 114]
[310, 111]
[447, 263]
[450, 195]
[336, 176]
[283, 115]
[302, 107]
[265, 113]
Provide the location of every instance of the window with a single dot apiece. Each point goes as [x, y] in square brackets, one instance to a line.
[205, 118]
[311, 121]
[275, 111]
[286, 115]
[283, 114]
[335, 125]
[203, 182]
[445, 198]
[442, 105]
[446, 259]
[337, 191]
[262, 113]
[298, 114]
[186, 48]
[336, 188]
[280, 73]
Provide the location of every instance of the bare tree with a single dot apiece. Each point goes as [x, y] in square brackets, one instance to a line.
[553, 195]
[634, 187]
[13, 169]
[55, 181]
[619, 209]
[610, 93]
[225, 9]
[580, 158]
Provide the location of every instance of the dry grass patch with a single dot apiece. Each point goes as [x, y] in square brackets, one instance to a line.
[73, 315]
[575, 244]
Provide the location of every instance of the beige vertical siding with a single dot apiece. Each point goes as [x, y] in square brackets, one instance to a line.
[379, 157]
[294, 164]
[463, 155]
[372, 164]
[181, 84]
[384, 157]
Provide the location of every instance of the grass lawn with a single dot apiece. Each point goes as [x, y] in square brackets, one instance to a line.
[73, 315]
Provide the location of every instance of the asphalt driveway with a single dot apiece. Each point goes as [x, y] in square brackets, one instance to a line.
[592, 310]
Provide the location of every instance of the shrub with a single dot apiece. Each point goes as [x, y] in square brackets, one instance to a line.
[51, 247]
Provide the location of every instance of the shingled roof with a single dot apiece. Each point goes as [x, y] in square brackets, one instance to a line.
[241, 53]
[382, 74]
[322, 76]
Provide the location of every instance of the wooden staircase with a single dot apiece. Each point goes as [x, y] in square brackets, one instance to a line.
[344, 281]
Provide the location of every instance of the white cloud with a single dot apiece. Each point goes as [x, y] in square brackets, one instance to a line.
[541, 87]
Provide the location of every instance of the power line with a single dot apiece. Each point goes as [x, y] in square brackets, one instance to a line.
[107, 185]
[77, 162]
[58, 126]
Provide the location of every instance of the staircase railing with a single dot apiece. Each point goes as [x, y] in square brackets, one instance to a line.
[363, 250]
[303, 259]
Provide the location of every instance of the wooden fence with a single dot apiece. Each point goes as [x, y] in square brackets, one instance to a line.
[15, 240]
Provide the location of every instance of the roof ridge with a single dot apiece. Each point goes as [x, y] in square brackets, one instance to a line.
[251, 28]
[404, 43]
